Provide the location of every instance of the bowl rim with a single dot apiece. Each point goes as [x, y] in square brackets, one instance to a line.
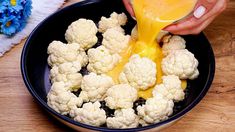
[30, 88]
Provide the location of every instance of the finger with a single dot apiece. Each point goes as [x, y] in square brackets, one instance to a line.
[128, 7]
[202, 7]
[197, 30]
[195, 22]
[209, 4]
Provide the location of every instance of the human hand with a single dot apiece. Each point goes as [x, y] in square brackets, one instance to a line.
[205, 12]
[128, 6]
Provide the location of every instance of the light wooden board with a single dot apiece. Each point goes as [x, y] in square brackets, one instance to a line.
[216, 112]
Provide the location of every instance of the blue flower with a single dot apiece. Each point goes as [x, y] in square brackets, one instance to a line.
[2, 12]
[10, 25]
[4, 2]
[14, 15]
[27, 9]
[2, 7]
[16, 8]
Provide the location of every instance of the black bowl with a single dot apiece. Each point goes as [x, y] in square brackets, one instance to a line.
[35, 70]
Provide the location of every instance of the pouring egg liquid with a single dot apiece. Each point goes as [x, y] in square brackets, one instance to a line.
[152, 16]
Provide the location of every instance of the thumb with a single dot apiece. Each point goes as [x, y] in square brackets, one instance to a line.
[128, 6]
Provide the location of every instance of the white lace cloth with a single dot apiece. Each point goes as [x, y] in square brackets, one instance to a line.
[41, 9]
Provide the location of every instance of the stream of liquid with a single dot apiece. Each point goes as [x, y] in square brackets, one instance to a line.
[152, 16]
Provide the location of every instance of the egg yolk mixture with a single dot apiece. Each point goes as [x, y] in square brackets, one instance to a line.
[152, 16]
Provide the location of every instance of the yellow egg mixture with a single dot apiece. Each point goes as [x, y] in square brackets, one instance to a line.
[152, 16]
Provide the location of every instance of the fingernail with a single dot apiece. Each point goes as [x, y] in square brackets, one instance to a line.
[131, 3]
[199, 12]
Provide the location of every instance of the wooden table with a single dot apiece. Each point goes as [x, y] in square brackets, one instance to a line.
[216, 112]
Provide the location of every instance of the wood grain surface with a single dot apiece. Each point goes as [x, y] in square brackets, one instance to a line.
[216, 112]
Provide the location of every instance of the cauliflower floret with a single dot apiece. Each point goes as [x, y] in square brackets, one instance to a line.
[123, 118]
[61, 99]
[120, 96]
[173, 43]
[90, 114]
[161, 35]
[95, 86]
[115, 20]
[83, 32]
[68, 73]
[68, 67]
[170, 88]
[82, 58]
[101, 61]
[155, 110]
[139, 72]
[60, 53]
[115, 41]
[119, 29]
[181, 63]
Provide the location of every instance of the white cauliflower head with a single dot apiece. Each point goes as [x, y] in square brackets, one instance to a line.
[173, 43]
[181, 63]
[101, 61]
[170, 88]
[69, 67]
[119, 29]
[115, 41]
[115, 20]
[123, 118]
[83, 32]
[139, 73]
[155, 110]
[61, 99]
[60, 53]
[120, 96]
[90, 114]
[95, 86]
[82, 58]
[161, 35]
[67, 73]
